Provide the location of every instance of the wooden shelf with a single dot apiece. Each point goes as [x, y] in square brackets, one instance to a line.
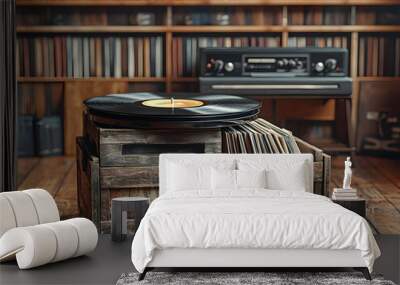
[91, 29]
[199, 2]
[378, 78]
[227, 29]
[185, 79]
[64, 79]
[148, 29]
[344, 28]
[208, 29]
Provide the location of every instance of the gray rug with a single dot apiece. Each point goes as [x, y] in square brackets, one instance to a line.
[243, 278]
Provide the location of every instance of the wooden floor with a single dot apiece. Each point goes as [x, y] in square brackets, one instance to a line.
[378, 181]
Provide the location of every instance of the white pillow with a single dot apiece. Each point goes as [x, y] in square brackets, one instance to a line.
[226, 179]
[188, 175]
[283, 172]
[223, 179]
[251, 179]
[185, 177]
[292, 179]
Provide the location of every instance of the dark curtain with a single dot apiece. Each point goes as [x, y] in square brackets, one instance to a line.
[8, 98]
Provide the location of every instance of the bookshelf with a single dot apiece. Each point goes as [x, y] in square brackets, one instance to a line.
[310, 22]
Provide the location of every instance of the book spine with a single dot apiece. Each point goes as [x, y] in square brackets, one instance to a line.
[92, 57]
[38, 57]
[51, 57]
[146, 55]
[397, 57]
[381, 56]
[106, 60]
[117, 58]
[140, 57]
[69, 56]
[152, 56]
[124, 57]
[375, 56]
[58, 56]
[361, 57]
[45, 55]
[131, 57]
[112, 56]
[194, 57]
[86, 57]
[159, 57]
[80, 57]
[99, 57]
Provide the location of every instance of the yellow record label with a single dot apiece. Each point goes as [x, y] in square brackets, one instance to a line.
[172, 103]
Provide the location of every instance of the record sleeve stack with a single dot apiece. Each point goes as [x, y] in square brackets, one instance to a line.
[344, 194]
[258, 136]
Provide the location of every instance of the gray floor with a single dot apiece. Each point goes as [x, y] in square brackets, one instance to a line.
[103, 266]
[110, 260]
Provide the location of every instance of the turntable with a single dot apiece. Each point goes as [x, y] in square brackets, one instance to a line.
[149, 110]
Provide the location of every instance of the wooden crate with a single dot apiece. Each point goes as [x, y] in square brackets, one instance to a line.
[124, 162]
[322, 167]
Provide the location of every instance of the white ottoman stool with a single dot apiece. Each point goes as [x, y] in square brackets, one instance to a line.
[31, 232]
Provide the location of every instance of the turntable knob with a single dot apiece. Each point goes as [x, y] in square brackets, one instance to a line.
[229, 66]
[218, 66]
[282, 63]
[319, 67]
[330, 64]
[292, 63]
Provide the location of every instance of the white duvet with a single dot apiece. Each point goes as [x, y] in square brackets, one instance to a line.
[250, 219]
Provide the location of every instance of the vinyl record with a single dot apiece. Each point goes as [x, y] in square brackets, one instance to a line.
[149, 110]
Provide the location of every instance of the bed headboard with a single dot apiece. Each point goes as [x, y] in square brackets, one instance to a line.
[211, 158]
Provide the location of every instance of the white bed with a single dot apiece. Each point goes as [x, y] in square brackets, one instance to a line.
[218, 224]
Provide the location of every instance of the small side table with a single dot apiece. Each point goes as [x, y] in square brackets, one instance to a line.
[119, 214]
[358, 206]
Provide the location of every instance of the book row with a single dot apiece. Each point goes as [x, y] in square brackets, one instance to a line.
[389, 15]
[379, 56]
[89, 16]
[186, 49]
[242, 15]
[228, 16]
[259, 136]
[68, 56]
[337, 41]
[318, 15]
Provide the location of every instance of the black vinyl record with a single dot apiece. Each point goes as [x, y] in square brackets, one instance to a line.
[149, 110]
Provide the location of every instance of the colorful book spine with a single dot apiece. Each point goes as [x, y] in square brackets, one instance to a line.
[84, 57]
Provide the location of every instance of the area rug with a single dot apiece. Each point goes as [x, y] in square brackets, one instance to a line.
[243, 278]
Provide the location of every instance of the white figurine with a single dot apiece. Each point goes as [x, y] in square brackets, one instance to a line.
[347, 174]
